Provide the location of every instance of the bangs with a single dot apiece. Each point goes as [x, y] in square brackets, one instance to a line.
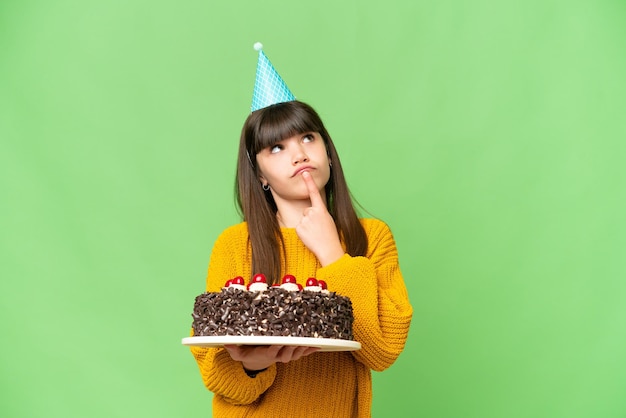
[282, 121]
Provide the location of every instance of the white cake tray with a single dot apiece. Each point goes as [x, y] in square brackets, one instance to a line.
[325, 344]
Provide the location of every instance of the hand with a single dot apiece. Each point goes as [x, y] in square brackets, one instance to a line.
[317, 229]
[263, 356]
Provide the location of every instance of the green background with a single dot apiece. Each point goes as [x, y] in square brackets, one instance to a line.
[489, 135]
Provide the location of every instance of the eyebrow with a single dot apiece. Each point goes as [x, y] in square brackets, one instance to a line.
[301, 135]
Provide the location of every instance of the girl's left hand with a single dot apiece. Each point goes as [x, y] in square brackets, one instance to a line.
[317, 229]
[262, 357]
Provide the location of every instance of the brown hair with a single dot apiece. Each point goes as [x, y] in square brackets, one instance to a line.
[263, 128]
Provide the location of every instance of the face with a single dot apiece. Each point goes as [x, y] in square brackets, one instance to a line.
[282, 164]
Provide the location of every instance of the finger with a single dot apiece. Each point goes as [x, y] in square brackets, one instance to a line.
[233, 348]
[314, 193]
[310, 350]
[304, 351]
[234, 351]
[273, 350]
[291, 353]
[285, 355]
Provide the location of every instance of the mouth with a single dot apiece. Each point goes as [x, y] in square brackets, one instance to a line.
[301, 169]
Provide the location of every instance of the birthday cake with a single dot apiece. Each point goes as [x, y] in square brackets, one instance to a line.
[281, 310]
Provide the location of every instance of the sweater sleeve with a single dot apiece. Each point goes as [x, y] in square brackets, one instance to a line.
[374, 284]
[221, 374]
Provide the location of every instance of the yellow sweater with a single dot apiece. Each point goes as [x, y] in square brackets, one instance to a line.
[329, 384]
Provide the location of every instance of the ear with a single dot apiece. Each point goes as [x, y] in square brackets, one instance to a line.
[262, 179]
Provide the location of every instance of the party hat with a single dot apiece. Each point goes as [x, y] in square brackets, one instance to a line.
[269, 87]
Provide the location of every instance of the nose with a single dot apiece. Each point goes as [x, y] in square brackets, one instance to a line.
[299, 156]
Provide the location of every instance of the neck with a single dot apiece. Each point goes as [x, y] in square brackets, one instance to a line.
[290, 212]
[289, 215]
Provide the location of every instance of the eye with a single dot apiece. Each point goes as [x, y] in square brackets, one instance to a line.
[275, 148]
[308, 138]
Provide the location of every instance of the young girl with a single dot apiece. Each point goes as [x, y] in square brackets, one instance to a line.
[299, 219]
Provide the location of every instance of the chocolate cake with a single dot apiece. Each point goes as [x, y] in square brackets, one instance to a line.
[285, 310]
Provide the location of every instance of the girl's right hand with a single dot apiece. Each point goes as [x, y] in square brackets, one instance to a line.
[317, 229]
[263, 356]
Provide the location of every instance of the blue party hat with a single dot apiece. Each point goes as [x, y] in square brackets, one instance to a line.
[269, 87]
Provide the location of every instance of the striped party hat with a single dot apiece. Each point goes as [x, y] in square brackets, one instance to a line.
[269, 87]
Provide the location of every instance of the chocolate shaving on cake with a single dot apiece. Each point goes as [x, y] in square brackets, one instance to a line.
[274, 312]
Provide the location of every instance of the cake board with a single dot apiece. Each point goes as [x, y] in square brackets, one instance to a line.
[325, 344]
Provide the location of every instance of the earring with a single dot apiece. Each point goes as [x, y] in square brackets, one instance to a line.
[266, 187]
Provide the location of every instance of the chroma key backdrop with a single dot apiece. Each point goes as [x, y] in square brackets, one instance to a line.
[490, 136]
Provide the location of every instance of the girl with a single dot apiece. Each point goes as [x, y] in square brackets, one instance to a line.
[299, 219]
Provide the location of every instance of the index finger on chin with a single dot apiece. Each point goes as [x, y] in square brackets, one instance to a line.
[314, 193]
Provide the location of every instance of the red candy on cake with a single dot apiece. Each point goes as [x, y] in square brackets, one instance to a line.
[312, 281]
[259, 278]
[288, 282]
[288, 278]
[259, 282]
[237, 282]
